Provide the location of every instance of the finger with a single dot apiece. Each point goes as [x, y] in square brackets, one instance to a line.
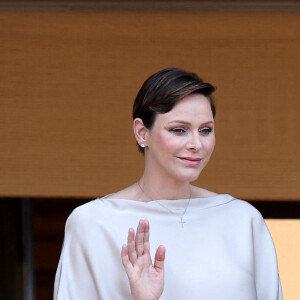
[131, 246]
[146, 238]
[125, 260]
[159, 260]
[124, 251]
[139, 238]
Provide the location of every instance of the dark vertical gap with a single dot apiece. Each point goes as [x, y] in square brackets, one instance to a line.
[28, 252]
[10, 249]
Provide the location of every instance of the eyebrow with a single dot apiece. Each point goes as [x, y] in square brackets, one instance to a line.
[188, 123]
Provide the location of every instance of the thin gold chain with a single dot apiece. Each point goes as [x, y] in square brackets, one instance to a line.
[165, 207]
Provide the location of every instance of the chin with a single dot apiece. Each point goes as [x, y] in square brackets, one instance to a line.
[189, 176]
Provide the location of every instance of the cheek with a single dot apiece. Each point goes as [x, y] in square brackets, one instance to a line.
[169, 142]
[210, 145]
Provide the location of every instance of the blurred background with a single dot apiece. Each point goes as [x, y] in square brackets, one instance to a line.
[69, 73]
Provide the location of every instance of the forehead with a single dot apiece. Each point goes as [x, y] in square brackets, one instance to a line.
[192, 107]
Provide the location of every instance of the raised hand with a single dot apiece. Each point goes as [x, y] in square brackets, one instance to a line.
[146, 280]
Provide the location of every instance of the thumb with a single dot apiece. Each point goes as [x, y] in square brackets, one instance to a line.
[160, 258]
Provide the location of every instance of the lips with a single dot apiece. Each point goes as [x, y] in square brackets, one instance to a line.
[194, 161]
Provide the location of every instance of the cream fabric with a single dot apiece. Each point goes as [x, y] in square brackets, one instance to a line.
[223, 252]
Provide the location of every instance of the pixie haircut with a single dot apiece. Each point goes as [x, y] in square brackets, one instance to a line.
[161, 91]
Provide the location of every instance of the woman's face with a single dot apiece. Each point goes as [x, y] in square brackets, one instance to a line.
[181, 141]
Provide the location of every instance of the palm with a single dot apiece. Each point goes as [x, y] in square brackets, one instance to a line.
[146, 280]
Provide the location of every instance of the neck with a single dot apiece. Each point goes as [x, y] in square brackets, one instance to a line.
[154, 188]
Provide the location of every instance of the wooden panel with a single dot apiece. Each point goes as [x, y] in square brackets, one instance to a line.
[68, 81]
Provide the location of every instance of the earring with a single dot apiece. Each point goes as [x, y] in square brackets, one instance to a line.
[142, 145]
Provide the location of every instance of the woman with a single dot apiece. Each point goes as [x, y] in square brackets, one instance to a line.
[204, 245]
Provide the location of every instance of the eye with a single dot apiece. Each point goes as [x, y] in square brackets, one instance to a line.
[205, 131]
[178, 130]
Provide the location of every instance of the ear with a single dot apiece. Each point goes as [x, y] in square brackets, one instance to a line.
[140, 131]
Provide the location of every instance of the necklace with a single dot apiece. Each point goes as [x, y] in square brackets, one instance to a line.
[165, 207]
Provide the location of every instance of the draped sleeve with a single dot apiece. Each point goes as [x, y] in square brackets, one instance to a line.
[75, 276]
[90, 265]
[268, 286]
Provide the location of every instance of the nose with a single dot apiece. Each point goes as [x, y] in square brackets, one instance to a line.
[194, 142]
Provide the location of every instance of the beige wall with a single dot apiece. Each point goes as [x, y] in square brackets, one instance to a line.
[286, 236]
[68, 80]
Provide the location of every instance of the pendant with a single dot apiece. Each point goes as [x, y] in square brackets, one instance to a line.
[181, 222]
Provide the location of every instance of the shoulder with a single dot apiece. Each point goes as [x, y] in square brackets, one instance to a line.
[130, 192]
[245, 213]
[202, 193]
[236, 205]
[245, 207]
[84, 209]
[84, 215]
[245, 220]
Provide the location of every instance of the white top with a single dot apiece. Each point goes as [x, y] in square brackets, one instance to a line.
[223, 251]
